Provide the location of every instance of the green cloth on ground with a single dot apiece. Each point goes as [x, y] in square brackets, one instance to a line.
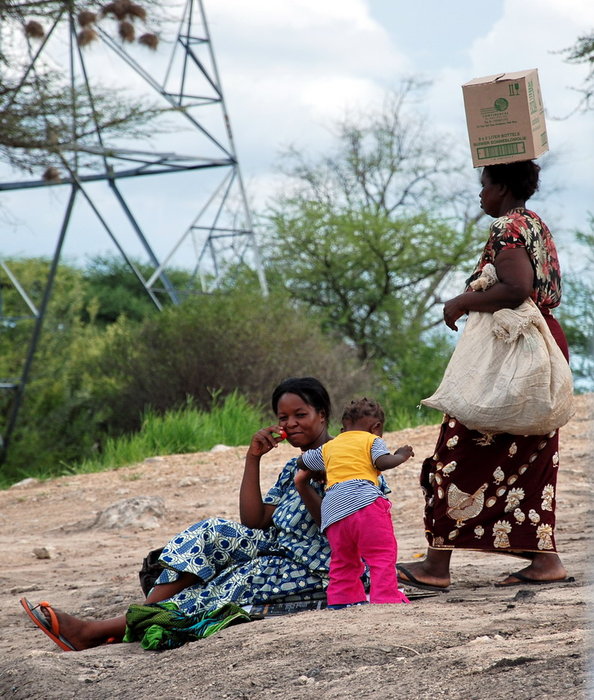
[165, 626]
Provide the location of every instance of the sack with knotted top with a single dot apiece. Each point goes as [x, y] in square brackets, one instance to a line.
[507, 374]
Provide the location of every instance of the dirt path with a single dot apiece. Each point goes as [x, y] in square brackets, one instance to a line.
[474, 642]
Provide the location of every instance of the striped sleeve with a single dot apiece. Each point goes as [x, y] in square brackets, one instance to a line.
[378, 448]
[313, 460]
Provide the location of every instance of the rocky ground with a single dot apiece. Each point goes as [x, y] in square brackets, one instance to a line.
[63, 543]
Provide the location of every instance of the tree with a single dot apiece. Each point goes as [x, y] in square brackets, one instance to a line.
[583, 52]
[44, 114]
[36, 120]
[387, 161]
[55, 420]
[370, 237]
[577, 314]
[371, 278]
[110, 291]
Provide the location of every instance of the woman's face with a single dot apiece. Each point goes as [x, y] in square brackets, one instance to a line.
[491, 196]
[306, 427]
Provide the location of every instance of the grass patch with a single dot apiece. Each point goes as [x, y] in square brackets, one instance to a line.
[230, 422]
[407, 418]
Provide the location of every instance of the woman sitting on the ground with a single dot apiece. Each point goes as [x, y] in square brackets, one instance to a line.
[275, 552]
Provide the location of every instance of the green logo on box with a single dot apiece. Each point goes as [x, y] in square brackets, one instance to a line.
[501, 104]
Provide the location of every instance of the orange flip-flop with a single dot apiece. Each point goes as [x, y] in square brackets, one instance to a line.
[50, 626]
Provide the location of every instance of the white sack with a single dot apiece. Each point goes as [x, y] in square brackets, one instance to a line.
[507, 375]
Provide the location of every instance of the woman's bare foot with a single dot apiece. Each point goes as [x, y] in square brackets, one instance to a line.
[84, 634]
[431, 572]
[544, 567]
[415, 574]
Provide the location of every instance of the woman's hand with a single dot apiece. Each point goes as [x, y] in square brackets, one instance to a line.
[516, 282]
[253, 512]
[265, 440]
[453, 310]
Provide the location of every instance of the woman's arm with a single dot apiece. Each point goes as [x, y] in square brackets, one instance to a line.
[253, 512]
[516, 282]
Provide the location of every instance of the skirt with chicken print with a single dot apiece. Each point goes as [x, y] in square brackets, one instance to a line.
[492, 493]
[498, 493]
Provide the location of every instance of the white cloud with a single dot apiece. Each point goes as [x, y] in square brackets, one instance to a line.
[533, 34]
[267, 15]
[333, 95]
[304, 33]
[289, 69]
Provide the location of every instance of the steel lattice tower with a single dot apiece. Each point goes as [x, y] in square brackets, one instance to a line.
[118, 189]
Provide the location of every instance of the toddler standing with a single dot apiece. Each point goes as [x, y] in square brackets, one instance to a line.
[355, 513]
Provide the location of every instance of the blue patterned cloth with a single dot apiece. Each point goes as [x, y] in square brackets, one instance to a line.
[237, 564]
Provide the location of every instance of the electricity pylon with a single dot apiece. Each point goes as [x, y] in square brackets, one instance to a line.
[197, 217]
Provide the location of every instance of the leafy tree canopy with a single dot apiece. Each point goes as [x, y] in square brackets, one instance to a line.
[47, 116]
[111, 290]
[370, 235]
[577, 313]
[583, 52]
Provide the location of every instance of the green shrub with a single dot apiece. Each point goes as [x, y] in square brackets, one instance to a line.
[91, 382]
[215, 344]
[414, 374]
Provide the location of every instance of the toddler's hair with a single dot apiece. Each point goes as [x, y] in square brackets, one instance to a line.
[363, 407]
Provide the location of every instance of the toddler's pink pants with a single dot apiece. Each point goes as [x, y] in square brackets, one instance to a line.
[366, 534]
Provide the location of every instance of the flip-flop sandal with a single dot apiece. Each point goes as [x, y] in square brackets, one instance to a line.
[50, 627]
[524, 580]
[412, 581]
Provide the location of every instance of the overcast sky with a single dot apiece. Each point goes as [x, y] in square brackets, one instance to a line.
[289, 69]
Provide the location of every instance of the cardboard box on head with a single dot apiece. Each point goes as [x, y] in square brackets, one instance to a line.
[505, 118]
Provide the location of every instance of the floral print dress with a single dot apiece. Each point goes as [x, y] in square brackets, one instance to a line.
[522, 228]
[498, 494]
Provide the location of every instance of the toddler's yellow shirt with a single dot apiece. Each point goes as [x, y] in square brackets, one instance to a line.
[348, 457]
